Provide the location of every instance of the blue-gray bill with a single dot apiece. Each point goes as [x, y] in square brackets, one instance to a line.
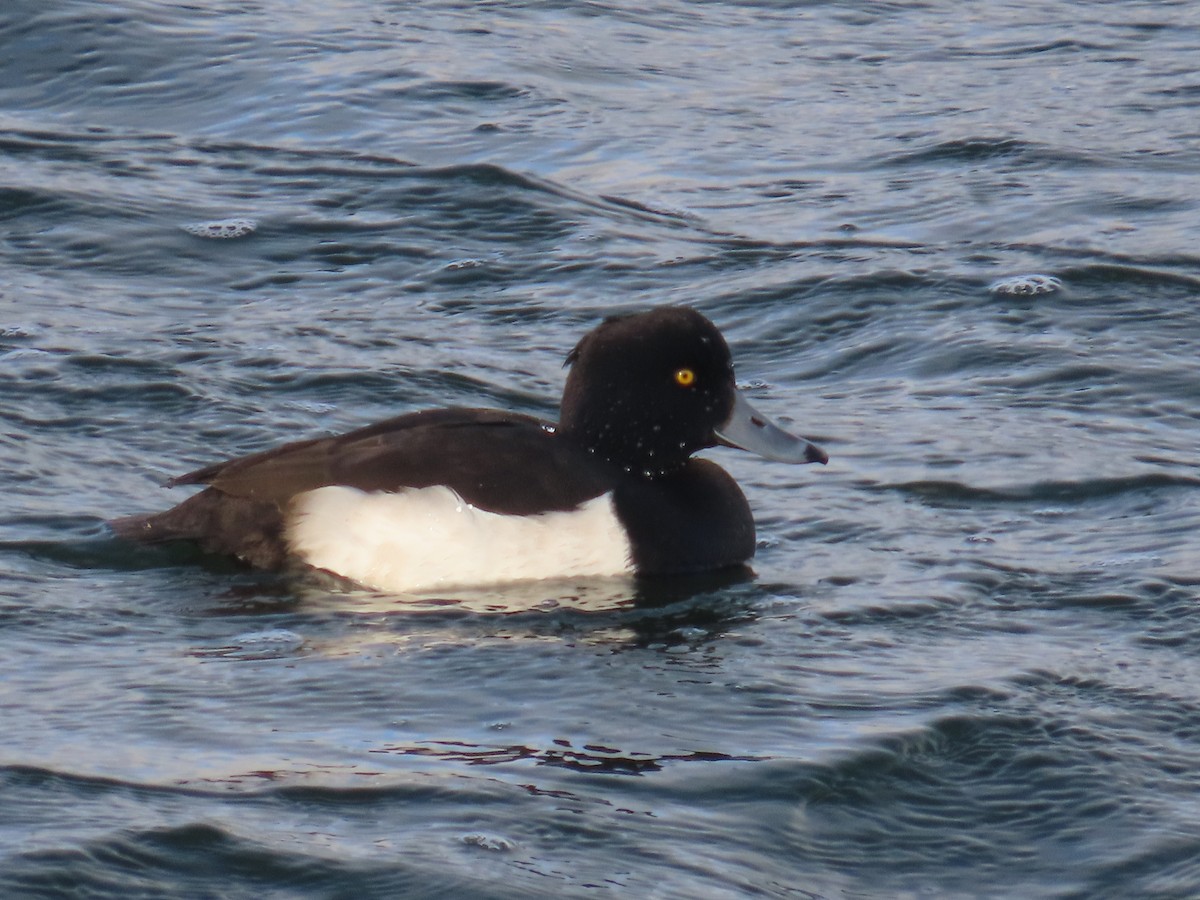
[748, 429]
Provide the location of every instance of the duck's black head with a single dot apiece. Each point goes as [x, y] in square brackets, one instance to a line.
[648, 390]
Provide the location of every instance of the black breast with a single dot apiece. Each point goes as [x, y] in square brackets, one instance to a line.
[691, 520]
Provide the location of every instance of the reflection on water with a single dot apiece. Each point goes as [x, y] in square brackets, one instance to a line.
[588, 595]
[613, 612]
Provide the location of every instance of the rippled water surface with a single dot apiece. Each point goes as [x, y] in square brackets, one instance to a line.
[955, 243]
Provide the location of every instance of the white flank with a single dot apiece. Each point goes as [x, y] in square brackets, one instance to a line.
[425, 538]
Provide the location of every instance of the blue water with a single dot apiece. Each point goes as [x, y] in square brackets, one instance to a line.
[969, 662]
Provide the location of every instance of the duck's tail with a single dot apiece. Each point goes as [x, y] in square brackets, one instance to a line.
[251, 530]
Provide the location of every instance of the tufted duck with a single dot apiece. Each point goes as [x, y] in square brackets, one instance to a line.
[469, 496]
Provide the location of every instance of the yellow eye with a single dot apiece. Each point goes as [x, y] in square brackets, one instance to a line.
[685, 377]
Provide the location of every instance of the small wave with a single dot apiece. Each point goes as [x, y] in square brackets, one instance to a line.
[985, 149]
[954, 492]
[1113, 271]
[64, 144]
[275, 643]
[222, 229]
[449, 91]
[1016, 51]
[653, 212]
[588, 758]
[199, 859]
[490, 842]
[1026, 285]
[18, 201]
[972, 792]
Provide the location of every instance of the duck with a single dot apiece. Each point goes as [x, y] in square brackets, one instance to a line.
[462, 496]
